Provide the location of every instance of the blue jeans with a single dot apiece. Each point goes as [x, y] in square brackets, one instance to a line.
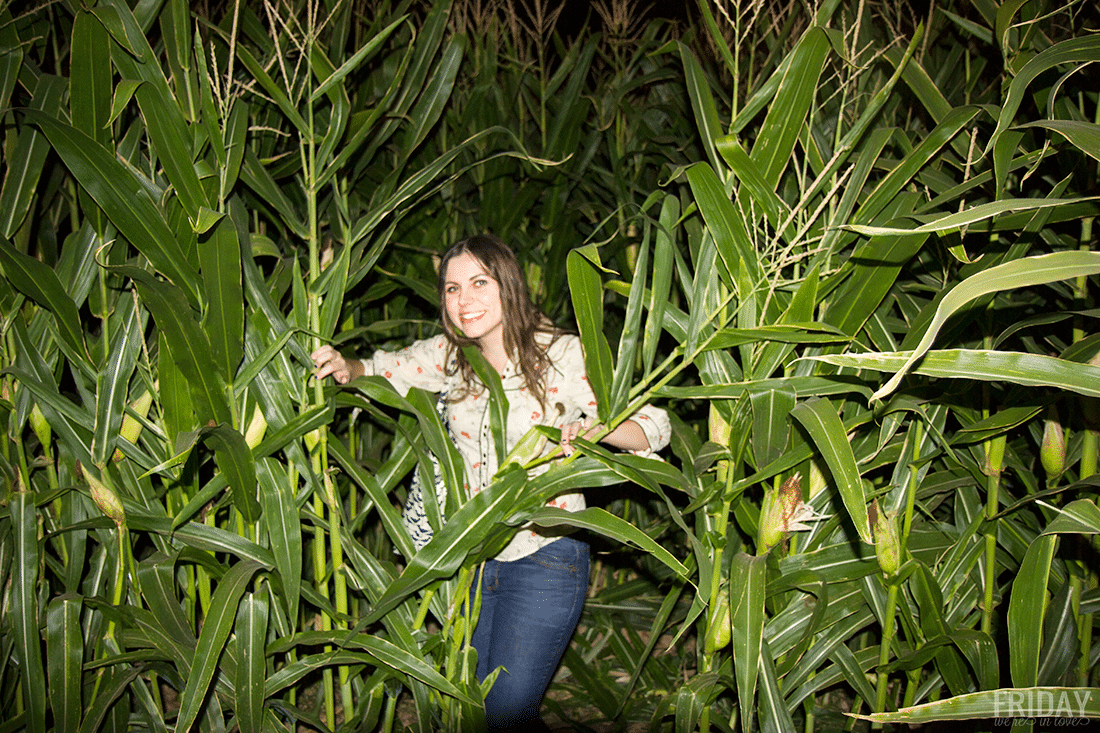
[529, 608]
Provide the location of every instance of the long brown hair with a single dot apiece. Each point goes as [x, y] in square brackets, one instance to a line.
[521, 320]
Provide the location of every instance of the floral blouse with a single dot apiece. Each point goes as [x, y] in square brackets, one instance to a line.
[568, 396]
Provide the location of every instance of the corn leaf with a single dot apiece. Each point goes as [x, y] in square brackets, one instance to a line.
[25, 161]
[600, 520]
[112, 383]
[746, 589]
[1027, 610]
[586, 290]
[220, 260]
[250, 631]
[1026, 272]
[797, 88]
[1078, 517]
[1009, 702]
[123, 199]
[212, 639]
[821, 421]
[27, 647]
[64, 660]
[40, 283]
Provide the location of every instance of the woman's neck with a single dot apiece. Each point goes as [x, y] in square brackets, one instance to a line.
[494, 352]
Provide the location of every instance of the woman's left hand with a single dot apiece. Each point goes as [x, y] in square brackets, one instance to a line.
[579, 429]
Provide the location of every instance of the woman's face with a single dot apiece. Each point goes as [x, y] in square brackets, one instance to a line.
[472, 301]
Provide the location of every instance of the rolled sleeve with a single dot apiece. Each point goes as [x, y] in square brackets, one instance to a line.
[657, 427]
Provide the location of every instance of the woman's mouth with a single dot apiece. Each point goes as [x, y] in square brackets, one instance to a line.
[472, 317]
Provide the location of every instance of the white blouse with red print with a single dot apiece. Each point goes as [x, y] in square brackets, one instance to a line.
[568, 398]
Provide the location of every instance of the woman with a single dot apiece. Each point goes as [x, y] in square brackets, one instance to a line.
[534, 590]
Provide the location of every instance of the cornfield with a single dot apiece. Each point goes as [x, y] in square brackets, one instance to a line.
[847, 245]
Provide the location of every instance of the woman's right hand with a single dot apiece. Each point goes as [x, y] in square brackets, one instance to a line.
[330, 362]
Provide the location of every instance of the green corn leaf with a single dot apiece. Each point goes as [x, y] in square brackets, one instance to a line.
[234, 459]
[196, 535]
[830, 643]
[752, 180]
[661, 279]
[250, 631]
[1031, 370]
[659, 623]
[235, 133]
[1061, 645]
[1083, 135]
[981, 212]
[797, 88]
[795, 318]
[1022, 273]
[40, 283]
[23, 609]
[220, 260]
[212, 639]
[628, 340]
[377, 652]
[728, 228]
[1073, 51]
[802, 386]
[189, 347]
[169, 137]
[124, 200]
[90, 91]
[25, 162]
[586, 290]
[980, 652]
[340, 105]
[924, 88]
[389, 516]
[435, 95]
[449, 546]
[422, 405]
[774, 716]
[1078, 517]
[166, 615]
[1027, 609]
[692, 698]
[1009, 702]
[563, 128]
[272, 89]
[336, 278]
[821, 421]
[706, 296]
[746, 589]
[283, 525]
[498, 400]
[210, 112]
[124, 29]
[365, 52]
[11, 63]
[111, 385]
[72, 425]
[903, 173]
[702, 103]
[65, 660]
[257, 177]
[600, 520]
[112, 686]
[770, 409]
[855, 670]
